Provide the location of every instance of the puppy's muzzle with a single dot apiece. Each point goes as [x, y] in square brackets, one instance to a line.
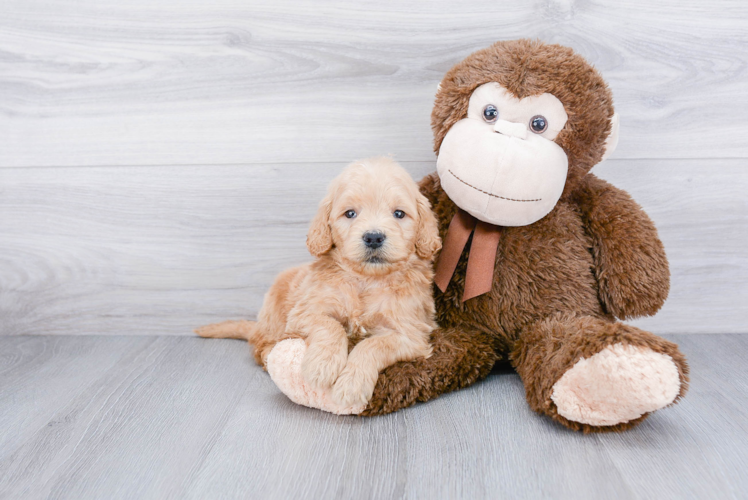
[374, 240]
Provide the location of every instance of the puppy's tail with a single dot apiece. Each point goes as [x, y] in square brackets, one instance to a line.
[242, 330]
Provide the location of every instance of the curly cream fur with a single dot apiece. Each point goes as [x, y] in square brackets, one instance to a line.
[378, 301]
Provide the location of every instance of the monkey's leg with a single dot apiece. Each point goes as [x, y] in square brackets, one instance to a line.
[460, 358]
[596, 375]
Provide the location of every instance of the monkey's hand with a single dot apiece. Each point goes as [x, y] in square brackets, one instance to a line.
[629, 258]
[284, 367]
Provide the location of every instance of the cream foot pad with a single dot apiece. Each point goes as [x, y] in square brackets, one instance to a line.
[284, 367]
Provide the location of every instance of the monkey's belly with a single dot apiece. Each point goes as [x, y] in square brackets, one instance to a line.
[541, 270]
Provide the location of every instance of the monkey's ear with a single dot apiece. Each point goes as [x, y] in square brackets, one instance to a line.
[427, 234]
[319, 239]
[612, 141]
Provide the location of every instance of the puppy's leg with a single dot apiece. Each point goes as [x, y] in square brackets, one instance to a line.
[355, 385]
[328, 350]
[228, 330]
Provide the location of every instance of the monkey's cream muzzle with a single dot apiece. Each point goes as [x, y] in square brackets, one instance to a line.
[495, 167]
[518, 130]
[500, 178]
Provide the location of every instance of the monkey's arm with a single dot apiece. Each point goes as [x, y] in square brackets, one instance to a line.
[460, 358]
[629, 258]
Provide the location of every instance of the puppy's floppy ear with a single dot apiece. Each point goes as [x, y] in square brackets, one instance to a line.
[427, 236]
[319, 239]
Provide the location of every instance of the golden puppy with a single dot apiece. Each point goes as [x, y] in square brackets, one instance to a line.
[374, 237]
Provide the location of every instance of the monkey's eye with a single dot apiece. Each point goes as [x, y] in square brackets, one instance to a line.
[490, 113]
[350, 214]
[538, 124]
[399, 214]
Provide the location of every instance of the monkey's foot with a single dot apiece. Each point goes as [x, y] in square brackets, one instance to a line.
[618, 384]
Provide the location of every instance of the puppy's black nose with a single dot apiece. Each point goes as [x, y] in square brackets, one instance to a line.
[373, 240]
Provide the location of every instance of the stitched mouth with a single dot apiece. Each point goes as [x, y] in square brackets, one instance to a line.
[486, 192]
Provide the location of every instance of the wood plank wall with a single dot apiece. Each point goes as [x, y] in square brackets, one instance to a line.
[160, 159]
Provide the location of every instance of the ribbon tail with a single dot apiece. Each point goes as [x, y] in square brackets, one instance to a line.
[482, 260]
[460, 227]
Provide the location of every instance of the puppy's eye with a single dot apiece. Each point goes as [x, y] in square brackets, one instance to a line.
[399, 214]
[490, 113]
[538, 124]
[350, 214]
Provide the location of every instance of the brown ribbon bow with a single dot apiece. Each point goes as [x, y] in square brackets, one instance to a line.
[479, 276]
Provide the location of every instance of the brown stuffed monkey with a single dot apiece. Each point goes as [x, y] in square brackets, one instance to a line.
[541, 258]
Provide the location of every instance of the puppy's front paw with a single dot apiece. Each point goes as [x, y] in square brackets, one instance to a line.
[354, 386]
[322, 365]
[284, 366]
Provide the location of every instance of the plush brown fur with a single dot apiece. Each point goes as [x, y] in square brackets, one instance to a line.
[560, 283]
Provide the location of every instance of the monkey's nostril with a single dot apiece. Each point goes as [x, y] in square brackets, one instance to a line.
[373, 239]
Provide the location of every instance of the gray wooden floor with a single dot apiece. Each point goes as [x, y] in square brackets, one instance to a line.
[179, 417]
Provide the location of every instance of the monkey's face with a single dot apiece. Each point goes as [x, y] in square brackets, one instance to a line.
[500, 163]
